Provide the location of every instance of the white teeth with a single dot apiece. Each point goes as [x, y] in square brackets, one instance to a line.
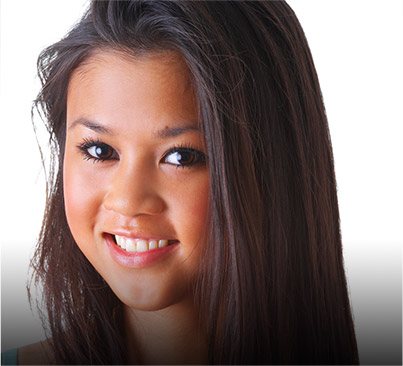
[162, 243]
[120, 241]
[139, 245]
[142, 245]
[153, 244]
[130, 245]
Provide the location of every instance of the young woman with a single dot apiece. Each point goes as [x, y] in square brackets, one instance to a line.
[192, 212]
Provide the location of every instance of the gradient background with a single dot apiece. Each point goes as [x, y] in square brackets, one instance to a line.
[357, 49]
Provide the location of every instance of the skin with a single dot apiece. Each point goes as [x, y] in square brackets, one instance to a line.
[139, 187]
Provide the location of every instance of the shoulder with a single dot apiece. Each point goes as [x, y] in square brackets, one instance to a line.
[39, 353]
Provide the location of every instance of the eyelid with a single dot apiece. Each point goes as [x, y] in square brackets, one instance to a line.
[88, 143]
[201, 156]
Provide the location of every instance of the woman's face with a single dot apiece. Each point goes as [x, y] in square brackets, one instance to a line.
[135, 175]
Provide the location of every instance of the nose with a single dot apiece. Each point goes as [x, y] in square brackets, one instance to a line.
[133, 191]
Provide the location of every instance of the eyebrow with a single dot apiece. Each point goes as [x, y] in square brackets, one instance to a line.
[164, 133]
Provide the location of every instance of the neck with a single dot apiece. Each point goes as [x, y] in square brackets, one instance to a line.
[168, 336]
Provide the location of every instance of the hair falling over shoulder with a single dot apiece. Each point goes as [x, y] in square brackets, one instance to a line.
[274, 291]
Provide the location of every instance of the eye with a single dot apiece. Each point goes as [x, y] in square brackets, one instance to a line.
[102, 152]
[97, 150]
[184, 157]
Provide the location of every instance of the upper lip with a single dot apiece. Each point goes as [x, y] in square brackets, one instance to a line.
[137, 234]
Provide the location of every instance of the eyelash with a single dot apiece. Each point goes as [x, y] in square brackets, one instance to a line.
[199, 157]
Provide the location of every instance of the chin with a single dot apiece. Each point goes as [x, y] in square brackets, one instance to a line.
[148, 295]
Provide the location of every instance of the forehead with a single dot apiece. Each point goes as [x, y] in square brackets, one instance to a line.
[119, 86]
[166, 65]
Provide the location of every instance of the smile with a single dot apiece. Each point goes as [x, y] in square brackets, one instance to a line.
[139, 252]
[141, 245]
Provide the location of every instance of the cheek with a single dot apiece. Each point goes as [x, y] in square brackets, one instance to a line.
[192, 206]
[81, 199]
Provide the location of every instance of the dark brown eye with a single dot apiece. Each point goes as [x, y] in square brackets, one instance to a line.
[101, 151]
[97, 150]
[183, 157]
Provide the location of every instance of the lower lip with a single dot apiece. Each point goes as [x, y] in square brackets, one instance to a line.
[137, 259]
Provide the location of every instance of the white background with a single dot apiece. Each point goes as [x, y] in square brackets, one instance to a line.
[357, 49]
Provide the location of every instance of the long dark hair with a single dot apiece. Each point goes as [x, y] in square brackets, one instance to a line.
[272, 287]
